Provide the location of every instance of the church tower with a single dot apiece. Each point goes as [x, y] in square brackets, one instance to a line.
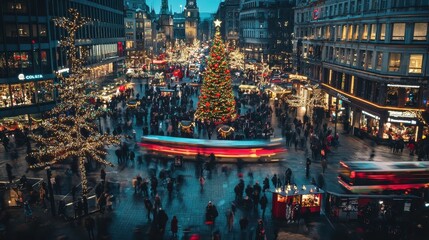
[165, 21]
[192, 19]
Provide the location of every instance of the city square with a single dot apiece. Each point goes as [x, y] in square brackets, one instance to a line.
[234, 119]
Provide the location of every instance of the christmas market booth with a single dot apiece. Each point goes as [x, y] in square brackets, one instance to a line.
[292, 200]
[365, 208]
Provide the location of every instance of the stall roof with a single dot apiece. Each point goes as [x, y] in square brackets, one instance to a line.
[374, 196]
[300, 190]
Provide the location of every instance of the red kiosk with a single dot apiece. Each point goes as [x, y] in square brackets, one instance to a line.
[307, 198]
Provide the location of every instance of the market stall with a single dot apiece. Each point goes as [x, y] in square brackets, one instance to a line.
[293, 200]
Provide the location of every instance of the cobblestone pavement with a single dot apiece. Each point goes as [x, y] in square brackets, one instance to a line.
[128, 218]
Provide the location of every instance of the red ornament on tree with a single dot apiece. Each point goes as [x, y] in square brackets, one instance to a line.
[218, 57]
[216, 65]
[227, 71]
[205, 96]
[217, 94]
[207, 104]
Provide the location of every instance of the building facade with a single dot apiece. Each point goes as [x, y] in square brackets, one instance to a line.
[138, 33]
[179, 26]
[192, 19]
[371, 59]
[30, 54]
[229, 13]
[165, 23]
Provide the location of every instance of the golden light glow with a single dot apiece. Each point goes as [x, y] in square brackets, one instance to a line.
[70, 131]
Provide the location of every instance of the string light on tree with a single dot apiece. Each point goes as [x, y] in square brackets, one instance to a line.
[70, 131]
[216, 101]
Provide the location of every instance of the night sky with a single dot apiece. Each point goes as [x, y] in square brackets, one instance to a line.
[209, 6]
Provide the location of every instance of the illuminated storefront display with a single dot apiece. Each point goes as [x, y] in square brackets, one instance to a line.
[27, 91]
[307, 197]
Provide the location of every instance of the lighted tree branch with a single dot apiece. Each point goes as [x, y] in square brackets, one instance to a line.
[70, 130]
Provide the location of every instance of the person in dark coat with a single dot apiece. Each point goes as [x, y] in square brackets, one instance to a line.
[89, 225]
[263, 202]
[9, 172]
[211, 212]
[162, 219]
[149, 207]
[174, 226]
[307, 167]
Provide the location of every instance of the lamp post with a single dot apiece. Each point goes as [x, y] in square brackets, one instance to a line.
[50, 190]
[336, 116]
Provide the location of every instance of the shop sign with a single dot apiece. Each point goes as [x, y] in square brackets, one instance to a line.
[29, 77]
[371, 115]
[343, 98]
[400, 114]
[412, 122]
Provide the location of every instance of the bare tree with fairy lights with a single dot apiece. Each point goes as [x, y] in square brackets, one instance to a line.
[70, 131]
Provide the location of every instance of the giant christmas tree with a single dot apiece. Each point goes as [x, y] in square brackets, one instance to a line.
[216, 101]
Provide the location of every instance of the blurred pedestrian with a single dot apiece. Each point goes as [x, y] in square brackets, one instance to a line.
[174, 226]
[89, 225]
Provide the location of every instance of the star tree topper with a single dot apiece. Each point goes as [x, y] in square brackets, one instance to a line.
[217, 23]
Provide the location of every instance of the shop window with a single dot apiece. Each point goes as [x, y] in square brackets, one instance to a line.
[394, 62]
[398, 32]
[383, 32]
[392, 96]
[420, 31]
[373, 31]
[411, 97]
[352, 85]
[23, 94]
[45, 91]
[379, 60]
[416, 63]
[4, 96]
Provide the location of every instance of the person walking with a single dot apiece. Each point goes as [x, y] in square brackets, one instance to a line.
[230, 219]
[263, 202]
[324, 164]
[211, 213]
[174, 226]
[274, 180]
[103, 175]
[307, 167]
[202, 182]
[89, 225]
[149, 207]
[9, 172]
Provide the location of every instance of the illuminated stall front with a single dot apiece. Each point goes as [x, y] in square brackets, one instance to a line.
[307, 198]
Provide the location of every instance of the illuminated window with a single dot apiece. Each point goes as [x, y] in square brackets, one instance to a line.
[420, 31]
[398, 31]
[350, 32]
[356, 33]
[373, 31]
[344, 36]
[365, 32]
[369, 60]
[352, 85]
[383, 32]
[354, 56]
[379, 60]
[394, 62]
[416, 63]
